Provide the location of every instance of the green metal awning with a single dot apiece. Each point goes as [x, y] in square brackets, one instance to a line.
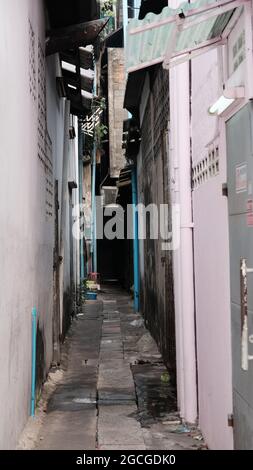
[176, 35]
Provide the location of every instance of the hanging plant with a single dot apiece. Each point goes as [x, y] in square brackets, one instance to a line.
[107, 7]
[100, 132]
[107, 10]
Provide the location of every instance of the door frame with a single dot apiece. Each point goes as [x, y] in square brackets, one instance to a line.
[223, 145]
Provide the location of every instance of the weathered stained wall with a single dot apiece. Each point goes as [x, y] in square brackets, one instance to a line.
[26, 247]
[157, 299]
[211, 247]
[117, 114]
[31, 150]
[119, 11]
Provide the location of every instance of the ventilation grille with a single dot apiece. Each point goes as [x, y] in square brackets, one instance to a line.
[49, 177]
[32, 64]
[41, 105]
[206, 168]
[44, 141]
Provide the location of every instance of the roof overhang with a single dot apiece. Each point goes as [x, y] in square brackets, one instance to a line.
[134, 88]
[78, 78]
[177, 35]
[73, 32]
[63, 13]
[115, 39]
[82, 34]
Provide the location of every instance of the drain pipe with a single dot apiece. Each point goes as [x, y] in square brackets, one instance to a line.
[64, 204]
[125, 19]
[187, 266]
[34, 348]
[183, 258]
[93, 188]
[94, 212]
[82, 271]
[134, 196]
[135, 241]
[184, 267]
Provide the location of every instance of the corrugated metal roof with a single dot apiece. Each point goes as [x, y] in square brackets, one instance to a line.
[151, 45]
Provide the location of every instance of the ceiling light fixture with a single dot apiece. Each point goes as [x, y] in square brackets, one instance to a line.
[225, 101]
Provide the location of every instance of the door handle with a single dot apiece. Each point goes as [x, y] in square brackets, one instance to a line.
[245, 338]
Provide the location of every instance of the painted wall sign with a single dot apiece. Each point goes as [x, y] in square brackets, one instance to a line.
[250, 213]
[241, 180]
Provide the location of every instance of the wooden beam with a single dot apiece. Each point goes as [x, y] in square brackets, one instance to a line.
[86, 59]
[124, 183]
[87, 83]
[60, 40]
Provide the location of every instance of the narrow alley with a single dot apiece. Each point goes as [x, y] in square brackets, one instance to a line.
[126, 208]
[115, 393]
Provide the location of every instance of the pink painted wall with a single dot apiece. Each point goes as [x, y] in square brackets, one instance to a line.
[211, 264]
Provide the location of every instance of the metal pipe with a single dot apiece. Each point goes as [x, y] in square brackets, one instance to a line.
[184, 272]
[64, 204]
[135, 242]
[137, 6]
[184, 275]
[93, 190]
[94, 212]
[82, 269]
[174, 165]
[125, 19]
[34, 347]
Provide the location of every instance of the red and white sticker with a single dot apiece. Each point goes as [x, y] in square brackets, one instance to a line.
[250, 212]
[241, 179]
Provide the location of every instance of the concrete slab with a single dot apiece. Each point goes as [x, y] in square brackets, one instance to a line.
[123, 447]
[69, 430]
[111, 354]
[157, 438]
[117, 426]
[95, 405]
[116, 396]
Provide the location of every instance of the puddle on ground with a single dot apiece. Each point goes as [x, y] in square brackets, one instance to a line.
[156, 396]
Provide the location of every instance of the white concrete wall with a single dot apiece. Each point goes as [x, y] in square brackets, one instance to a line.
[27, 232]
[211, 250]
[26, 247]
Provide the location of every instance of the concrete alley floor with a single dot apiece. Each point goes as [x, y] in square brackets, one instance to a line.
[115, 392]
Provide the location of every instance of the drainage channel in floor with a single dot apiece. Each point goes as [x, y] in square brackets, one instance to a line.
[156, 397]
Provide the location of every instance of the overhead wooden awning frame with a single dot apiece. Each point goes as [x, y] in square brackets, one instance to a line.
[83, 34]
[70, 42]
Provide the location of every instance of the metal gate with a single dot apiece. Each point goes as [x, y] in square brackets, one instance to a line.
[240, 202]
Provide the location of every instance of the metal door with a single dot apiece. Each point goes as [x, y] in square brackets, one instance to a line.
[240, 204]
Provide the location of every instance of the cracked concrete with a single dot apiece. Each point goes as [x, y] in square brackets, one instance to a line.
[115, 392]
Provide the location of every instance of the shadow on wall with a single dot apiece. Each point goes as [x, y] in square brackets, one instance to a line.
[40, 359]
[67, 312]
